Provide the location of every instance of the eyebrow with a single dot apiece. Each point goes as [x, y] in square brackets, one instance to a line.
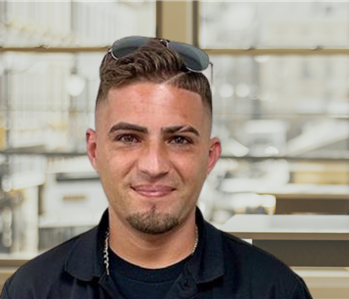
[122, 126]
[182, 129]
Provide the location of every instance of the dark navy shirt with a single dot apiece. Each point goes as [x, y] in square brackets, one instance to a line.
[225, 267]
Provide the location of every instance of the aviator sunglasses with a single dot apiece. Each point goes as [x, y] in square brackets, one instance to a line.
[195, 59]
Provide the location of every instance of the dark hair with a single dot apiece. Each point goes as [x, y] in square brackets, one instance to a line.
[155, 63]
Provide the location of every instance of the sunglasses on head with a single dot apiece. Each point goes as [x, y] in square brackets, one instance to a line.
[195, 59]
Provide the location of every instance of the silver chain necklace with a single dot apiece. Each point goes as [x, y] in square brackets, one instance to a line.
[106, 247]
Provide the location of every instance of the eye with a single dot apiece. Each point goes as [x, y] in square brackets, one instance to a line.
[127, 138]
[180, 140]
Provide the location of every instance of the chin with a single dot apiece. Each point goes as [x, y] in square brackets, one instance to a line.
[152, 222]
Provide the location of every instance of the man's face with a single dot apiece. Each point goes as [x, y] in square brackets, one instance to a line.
[152, 151]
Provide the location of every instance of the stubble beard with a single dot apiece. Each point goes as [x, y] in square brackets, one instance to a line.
[152, 222]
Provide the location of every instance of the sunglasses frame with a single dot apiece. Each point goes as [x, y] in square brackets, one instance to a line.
[167, 43]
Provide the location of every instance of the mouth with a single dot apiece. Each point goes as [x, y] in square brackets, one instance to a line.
[153, 190]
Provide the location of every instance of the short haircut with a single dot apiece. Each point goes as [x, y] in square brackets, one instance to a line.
[153, 63]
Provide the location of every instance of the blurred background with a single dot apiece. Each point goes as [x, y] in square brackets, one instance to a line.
[281, 108]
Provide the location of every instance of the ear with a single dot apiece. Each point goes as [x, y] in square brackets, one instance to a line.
[92, 147]
[214, 153]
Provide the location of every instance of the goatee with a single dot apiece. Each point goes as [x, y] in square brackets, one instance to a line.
[152, 222]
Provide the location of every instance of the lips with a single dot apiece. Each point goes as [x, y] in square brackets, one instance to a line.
[153, 190]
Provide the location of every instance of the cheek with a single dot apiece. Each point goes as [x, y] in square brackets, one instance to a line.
[111, 165]
[193, 168]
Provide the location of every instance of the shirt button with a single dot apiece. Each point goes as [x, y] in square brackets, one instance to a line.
[186, 284]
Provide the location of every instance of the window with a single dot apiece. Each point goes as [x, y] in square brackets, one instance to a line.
[49, 63]
[281, 106]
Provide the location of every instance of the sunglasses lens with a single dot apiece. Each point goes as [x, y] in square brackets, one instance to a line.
[128, 45]
[194, 59]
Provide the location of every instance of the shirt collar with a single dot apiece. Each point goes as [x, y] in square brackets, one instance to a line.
[85, 260]
[208, 264]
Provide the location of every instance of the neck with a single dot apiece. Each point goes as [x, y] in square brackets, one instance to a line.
[153, 251]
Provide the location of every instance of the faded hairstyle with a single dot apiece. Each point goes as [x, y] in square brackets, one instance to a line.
[154, 63]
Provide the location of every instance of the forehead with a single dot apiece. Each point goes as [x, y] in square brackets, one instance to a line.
[148, 103]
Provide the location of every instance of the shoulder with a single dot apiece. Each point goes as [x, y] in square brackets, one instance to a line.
[253, 259]
[241, 251]
[47, 267]
[259, 270]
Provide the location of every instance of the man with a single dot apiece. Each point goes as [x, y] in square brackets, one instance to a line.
[152, 150]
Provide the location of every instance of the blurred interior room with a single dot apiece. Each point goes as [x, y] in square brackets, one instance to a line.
[281, 110]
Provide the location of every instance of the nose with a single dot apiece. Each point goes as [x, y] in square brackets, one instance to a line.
[154, 160]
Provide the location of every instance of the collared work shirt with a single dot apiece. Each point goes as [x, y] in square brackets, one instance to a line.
[226, 267]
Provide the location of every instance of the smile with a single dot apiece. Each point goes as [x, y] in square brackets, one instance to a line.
[153, 190]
